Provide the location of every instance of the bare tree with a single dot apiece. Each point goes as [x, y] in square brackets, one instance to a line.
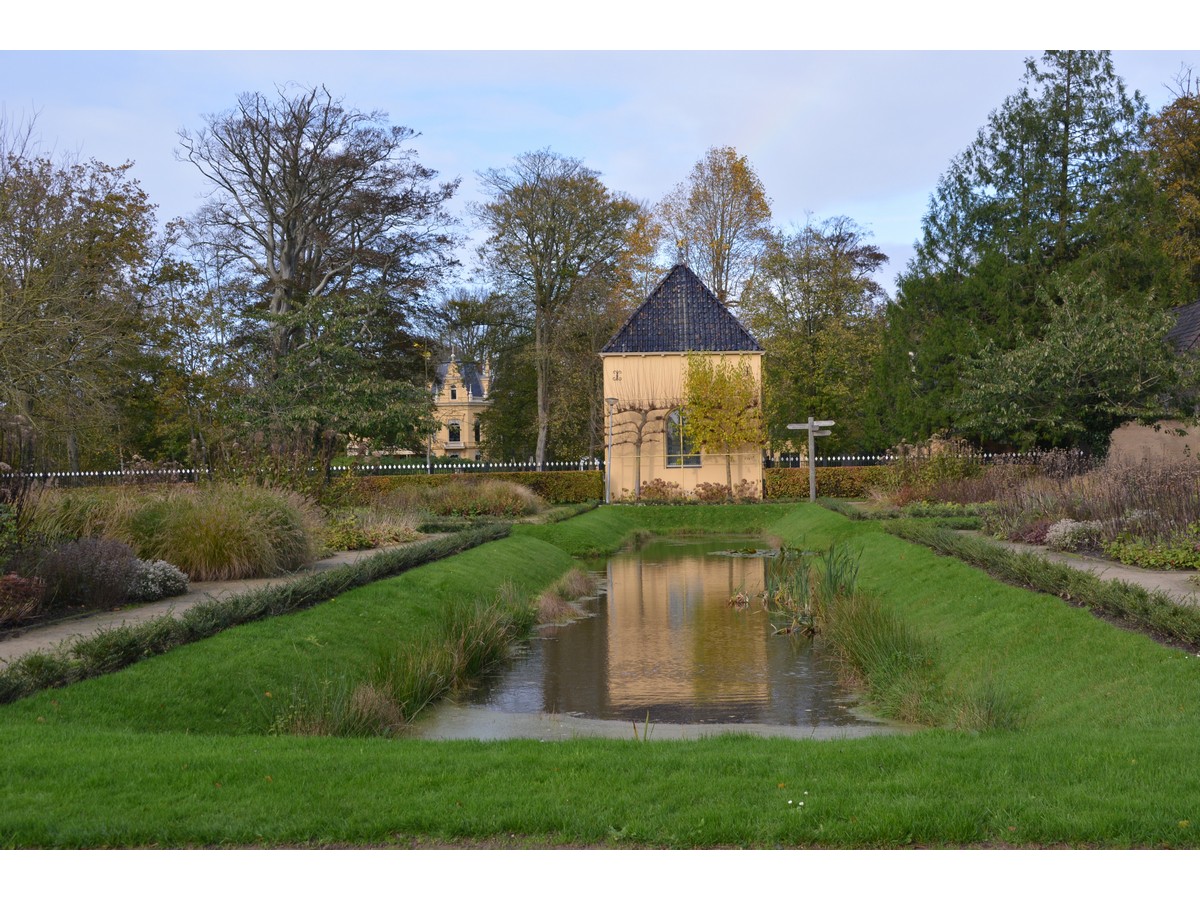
[315, 199]
[552, 224]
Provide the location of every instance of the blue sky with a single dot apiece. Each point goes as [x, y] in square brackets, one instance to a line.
[830, 132]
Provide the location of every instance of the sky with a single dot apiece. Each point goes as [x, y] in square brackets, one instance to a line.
[863, 133]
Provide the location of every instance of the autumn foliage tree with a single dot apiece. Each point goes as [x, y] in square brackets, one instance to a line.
[74, 238]
[718, 221]
[723, 408]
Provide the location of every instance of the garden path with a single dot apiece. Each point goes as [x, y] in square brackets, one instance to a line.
[46, 637]
[1174, 583]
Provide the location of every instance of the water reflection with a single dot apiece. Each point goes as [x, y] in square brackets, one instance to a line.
[663, 643]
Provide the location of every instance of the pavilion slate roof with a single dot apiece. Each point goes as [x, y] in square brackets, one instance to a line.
[682, 315]
[1185, 333]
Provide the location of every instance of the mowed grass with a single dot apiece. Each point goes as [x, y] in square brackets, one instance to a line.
[171, 752]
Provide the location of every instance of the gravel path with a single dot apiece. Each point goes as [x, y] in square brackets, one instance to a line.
[46, 637]
[1173, 583]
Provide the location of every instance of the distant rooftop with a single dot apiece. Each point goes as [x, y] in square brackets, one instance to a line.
[682, 315]
[1185, 333]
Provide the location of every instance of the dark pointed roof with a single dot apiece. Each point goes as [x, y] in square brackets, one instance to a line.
[1185, 333]
[679, 316]
[469, 373]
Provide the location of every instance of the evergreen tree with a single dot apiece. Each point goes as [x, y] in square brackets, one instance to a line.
[1055, 182]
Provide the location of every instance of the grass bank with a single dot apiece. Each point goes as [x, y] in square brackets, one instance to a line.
[171, 752]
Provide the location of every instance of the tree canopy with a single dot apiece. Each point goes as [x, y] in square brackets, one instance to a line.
[1055, 183]
[719, 221]
[556, 235]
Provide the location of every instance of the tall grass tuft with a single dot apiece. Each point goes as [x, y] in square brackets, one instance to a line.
[556, 604]
[898, 668]
[466, 641]
[211, 532]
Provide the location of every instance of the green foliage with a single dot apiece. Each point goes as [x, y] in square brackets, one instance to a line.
[75, 239]
[815, 307]
[1054, 184]
[1100, 361]
[1181, 551]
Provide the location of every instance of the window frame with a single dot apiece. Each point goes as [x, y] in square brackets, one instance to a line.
[675, 432]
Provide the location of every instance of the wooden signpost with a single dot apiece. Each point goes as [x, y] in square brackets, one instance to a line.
[815, 430]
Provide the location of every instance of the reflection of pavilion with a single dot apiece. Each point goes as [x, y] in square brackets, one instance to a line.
[669, 643]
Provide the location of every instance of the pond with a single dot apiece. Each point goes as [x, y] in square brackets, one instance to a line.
[663, 653]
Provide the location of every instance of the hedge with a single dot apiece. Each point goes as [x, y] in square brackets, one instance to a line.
[112, 649]
[833, 481]
[553, 487]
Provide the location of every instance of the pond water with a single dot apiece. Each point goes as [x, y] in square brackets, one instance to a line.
[663, 650]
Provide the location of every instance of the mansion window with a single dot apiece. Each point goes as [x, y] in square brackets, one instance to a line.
[453, 393]
[680, 451]
[455, 432]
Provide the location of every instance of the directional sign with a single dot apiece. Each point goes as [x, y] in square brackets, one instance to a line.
[815, 430]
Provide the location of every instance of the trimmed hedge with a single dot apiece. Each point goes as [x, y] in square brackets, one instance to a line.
[1151, 612]
[115, 648]
[553, 487]
[832, 481]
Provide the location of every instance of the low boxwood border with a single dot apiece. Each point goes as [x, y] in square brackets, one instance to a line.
[1151, 612]
[115, 648]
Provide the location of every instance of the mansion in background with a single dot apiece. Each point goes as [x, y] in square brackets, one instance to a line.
[460, 394]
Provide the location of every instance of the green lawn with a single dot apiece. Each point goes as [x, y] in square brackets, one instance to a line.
[173, 751]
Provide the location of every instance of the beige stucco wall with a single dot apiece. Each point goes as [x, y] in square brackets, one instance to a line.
[647, 387]
[1134, 443]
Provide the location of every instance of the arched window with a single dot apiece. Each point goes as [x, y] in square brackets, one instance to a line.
[680, 451]
[455, 432]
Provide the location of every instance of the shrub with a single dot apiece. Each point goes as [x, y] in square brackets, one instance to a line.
[21, 599]
[832, 481]
[156, 580]
[553, 487]
[659, 491]
[95, 573]
[366, 527]
[711, 492]
[1067, 534]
